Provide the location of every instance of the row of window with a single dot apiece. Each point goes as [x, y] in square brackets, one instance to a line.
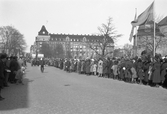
[74, 40]
[74, 50]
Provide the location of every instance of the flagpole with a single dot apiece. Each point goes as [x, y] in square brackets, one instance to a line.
[136, 42]
[136, 37]
[154, 30]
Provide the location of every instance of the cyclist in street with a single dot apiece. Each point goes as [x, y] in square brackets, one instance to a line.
[42, 64]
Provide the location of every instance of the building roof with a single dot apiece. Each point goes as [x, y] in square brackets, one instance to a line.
[79, 37]
[43, 31]
[148, 29]
[61, 37]
[163, 22]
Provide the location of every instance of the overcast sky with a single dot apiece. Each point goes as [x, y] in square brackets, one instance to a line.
[73, 16]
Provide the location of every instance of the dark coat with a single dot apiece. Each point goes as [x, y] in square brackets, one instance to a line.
[156, 77]
[146, 69]
[140, 71]
[122, 72]
[1, 73]
[110, 64]
[14, 66]
[163, 71]
[87, 65]
[105, 67]
[128, 65]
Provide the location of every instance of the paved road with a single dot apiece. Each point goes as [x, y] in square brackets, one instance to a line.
[58, 92]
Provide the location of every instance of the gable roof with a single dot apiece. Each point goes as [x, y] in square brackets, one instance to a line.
[43, 31]
[163, 22]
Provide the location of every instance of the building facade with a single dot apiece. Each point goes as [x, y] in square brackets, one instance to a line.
[145, 39]
[77, 45]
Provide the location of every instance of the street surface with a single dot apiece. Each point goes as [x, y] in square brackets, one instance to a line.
[58, 92]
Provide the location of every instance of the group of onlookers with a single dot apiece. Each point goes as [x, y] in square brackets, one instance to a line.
[11, 71]
[144, 70]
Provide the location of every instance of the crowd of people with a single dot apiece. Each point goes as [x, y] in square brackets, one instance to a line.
[11, 71]
[144, 70]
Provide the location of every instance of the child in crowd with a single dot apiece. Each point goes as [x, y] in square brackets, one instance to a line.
[94, 68]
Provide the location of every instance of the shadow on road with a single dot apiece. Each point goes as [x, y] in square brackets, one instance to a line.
[16, 96]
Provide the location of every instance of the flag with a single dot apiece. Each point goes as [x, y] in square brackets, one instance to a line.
[147, 15]
[132, 30]
[163, 26]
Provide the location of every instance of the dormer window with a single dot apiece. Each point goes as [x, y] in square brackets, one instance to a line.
[84, 39]
[67, 38]
[43, 32]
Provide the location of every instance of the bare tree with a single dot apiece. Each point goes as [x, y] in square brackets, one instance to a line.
[46, 50]
[128, 50]
[108, 35]
[146, 38]
[13, 40]
[58, 51]
[147, 42]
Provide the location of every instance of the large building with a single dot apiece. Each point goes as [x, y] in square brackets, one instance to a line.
[77, 45]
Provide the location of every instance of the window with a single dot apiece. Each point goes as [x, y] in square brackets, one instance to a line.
[84, 39]
[67, 38]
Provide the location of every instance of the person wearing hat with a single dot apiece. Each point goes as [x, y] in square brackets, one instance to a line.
[2, 69]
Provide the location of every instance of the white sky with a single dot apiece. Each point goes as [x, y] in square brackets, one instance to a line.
[73, 16]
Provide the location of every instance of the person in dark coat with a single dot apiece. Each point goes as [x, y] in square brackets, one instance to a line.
[105, 68]
[156, 77]
[146, 65]
[163, 70]
[79, 66]
[110, 64]
[13, 68]
[128, 74]
[2, 69]
[68, 64]
[87, 63]
[164, 73]
[122, 69]
[61, 64]
[7, 71]
[140, 71]
[82, 66]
